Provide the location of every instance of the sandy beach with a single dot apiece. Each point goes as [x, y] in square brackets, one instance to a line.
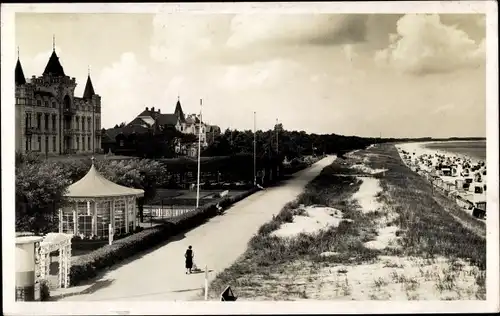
[458, 175]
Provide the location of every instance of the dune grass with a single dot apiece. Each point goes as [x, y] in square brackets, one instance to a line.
[275, 268]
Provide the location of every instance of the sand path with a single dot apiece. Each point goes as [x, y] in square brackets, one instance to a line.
[160, 275]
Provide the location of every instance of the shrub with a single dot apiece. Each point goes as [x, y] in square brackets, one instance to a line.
[88, 265]
[44, 290]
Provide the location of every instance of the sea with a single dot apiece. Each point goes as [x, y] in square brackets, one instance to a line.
[474, 149]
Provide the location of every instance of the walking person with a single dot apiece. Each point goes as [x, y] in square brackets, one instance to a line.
[189, 255]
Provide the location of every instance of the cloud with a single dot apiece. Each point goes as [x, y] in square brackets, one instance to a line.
[265, 74]
[425, 45]
[293, 29]
[36, 65]
[115, 83]
[182, 38]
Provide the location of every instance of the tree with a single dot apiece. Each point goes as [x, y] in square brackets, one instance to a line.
[40, 189]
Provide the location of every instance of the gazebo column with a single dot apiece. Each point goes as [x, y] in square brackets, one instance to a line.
[126, 215]
[75, 219]
[135, 212]
[62, 255]
[94, 219]
[112, 217]
[60, 220]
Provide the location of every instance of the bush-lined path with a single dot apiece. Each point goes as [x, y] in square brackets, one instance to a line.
[160, 274]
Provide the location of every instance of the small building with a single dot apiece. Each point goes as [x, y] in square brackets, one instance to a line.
[446, 171]
[478, 177]
[94, 203]
[478, 189]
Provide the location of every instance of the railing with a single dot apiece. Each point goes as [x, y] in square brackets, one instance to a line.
[69, 111]
[155, 211]
[69, 151]
[70, 131]
[30, 130]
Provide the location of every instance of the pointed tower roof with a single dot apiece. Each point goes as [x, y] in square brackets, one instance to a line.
[93, 184]
[178, 111]
[20, 79]
[89, 89]
[54, 67]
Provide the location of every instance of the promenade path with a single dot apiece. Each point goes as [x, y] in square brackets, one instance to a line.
[160, 275]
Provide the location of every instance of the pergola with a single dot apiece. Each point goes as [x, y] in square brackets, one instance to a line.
[50, 243]
[95, 203]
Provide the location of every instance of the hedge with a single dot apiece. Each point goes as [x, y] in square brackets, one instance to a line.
[87, 266]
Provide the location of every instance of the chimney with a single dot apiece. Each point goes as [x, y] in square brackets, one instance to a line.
[153, 109]
[159, 111]
[147, 109]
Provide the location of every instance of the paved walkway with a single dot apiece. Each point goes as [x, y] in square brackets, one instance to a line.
[160, 274]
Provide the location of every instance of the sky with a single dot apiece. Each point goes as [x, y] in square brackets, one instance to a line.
[395, 75]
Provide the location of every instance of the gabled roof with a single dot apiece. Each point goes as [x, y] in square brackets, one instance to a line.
[20, 79]
[167, 119]
[150, 113]
[89, 89]
[54, 67]
[93, 184]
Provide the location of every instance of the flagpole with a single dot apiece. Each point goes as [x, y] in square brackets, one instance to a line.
[277, 144]
[254, 150]
[199, 154]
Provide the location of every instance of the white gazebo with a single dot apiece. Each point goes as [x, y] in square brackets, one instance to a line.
[50, 243]
[95, 203]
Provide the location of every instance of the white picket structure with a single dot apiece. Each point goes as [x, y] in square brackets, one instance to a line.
[165, 212]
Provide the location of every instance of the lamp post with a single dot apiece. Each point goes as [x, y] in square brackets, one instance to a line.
[254, 150]
[199, 153]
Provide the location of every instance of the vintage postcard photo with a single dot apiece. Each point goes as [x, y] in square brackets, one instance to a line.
[250, 158]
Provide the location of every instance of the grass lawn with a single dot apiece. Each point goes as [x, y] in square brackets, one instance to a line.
[416, 245]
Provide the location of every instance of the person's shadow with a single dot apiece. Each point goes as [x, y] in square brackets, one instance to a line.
[198, 271]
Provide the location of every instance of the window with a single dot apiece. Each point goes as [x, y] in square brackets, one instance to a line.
[103, 218]
[27, 143]
[89, 123]
[78, 143]
[46, 103]
[46, 144]
[40, 143]
[77, 122]
[83, 143]
[54, 118]
[68, 224]
[27, 121]
[47, 118]
[122, 142]
[119, 216]
[39, 120]
[39, 102]
[54, 104]
[54, 143]
[83, 124]
[131, 208]
[88, 143]
[84, 220]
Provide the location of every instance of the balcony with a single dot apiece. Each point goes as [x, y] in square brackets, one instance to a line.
[69, 111]
[69, 151]
[70, 131]
[30, 130]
